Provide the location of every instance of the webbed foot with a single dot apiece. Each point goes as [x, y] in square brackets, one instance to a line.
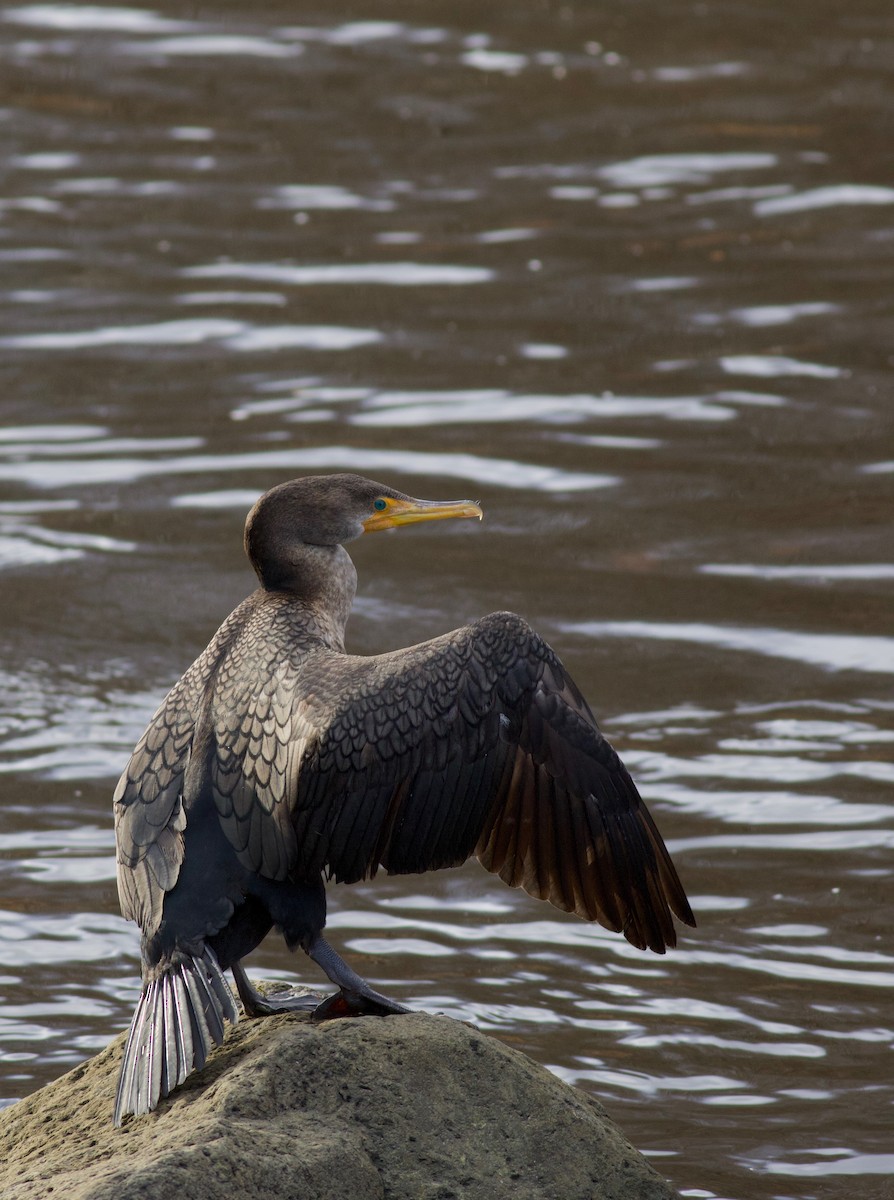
[355, 997]
[256, 1004]
[356, 1004]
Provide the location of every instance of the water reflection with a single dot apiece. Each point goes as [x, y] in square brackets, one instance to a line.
[826, 1164]
[837, 652]
[829, 573]
[394, 274]
[43, 471]
[202, 46]
[235, 335]
[834, 196]
[424, 408]
[692, 169]
[769, 366]
[23, 542]
[760, 316]
[310, 196]
[96, 18]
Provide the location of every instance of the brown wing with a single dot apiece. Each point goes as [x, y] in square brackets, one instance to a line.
[150, 801]
[474, 743]
[149, 815]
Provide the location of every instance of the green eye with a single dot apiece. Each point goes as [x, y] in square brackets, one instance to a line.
[380, 505]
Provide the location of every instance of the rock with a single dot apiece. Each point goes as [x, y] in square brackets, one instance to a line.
[406, 1108]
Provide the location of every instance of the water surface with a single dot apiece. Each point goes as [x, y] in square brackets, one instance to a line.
[623, 274]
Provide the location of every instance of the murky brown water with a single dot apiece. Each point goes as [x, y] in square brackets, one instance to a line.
[622, 271]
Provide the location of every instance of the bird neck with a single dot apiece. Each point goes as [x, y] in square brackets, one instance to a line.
[322, 579]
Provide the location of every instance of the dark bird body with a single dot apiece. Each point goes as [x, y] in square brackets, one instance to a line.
[279, 760]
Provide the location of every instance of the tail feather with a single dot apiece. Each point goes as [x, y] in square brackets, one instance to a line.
[172, 1053]
[178, 1020]
[156, 1029]
[183, 1032]
[201, 1015]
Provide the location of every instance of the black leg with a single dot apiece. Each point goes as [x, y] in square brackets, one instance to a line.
[355, 997]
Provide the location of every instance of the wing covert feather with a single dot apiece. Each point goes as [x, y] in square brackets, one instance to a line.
[476, 743]
[150, 801]
[149, 813]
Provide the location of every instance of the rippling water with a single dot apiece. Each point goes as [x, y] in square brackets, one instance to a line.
[622, 272]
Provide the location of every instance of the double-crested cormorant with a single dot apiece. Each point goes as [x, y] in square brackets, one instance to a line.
[278, 759]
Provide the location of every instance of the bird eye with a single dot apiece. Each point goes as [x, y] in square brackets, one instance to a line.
[380, 505]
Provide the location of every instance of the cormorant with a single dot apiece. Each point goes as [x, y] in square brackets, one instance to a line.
[278, 759]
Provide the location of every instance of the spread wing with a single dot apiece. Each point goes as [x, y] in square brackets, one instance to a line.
[478, 743]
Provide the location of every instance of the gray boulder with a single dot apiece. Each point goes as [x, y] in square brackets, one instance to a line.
[401, 1108]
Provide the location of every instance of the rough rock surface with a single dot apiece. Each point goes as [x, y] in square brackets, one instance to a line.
[408, 1108]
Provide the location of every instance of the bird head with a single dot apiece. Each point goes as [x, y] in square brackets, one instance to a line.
[329, 510]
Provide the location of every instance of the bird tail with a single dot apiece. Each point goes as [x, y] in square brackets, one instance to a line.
[177, 1022]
